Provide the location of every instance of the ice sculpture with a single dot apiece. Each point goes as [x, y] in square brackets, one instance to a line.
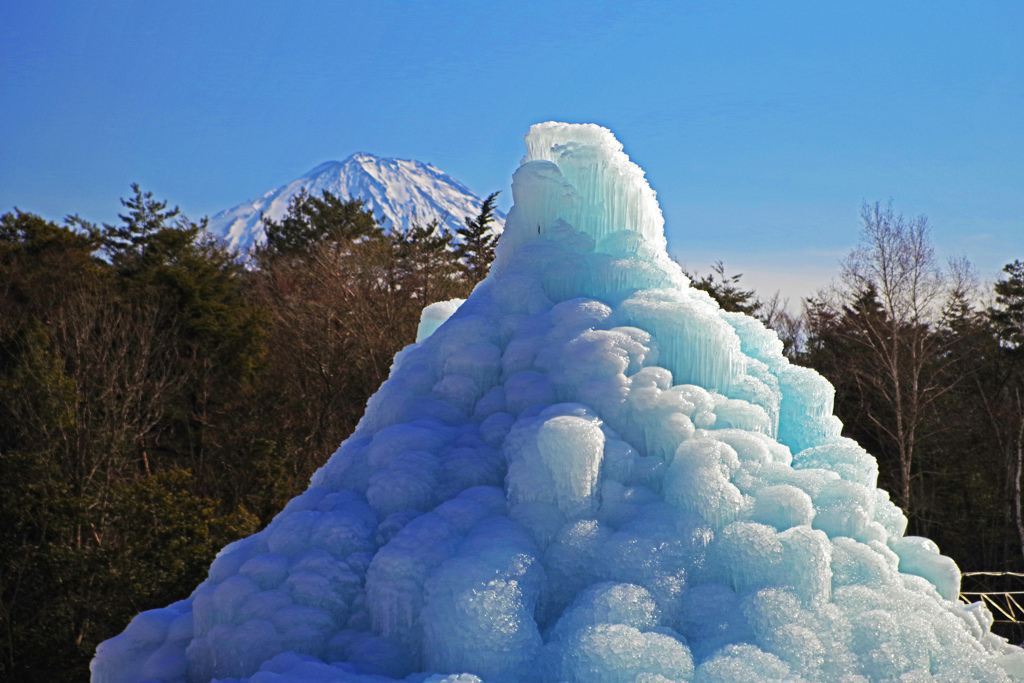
[585, 472]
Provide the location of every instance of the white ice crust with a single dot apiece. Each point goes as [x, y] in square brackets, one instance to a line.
[585, 472]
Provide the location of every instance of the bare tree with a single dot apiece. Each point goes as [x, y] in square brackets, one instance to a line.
[892, 296]
[122, 370]
[775, 314]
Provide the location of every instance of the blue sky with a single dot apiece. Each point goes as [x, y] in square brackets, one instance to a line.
[762, 126]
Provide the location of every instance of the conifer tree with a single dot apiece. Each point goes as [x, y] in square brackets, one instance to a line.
[426, 261]
[726, 290]
[145, 220]
[1007, 315]
[478, 240]
[1005, 402]
[312, 220]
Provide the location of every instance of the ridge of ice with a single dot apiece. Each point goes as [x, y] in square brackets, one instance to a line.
[585, 472]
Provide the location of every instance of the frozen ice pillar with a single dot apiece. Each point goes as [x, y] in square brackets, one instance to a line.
[578, 174]
[585, 472]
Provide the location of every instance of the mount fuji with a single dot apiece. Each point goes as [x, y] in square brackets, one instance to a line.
[398, 191]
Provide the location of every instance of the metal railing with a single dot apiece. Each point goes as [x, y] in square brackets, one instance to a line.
[1006, 604]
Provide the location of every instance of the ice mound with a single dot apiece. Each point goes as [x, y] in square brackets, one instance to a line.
[586, 472]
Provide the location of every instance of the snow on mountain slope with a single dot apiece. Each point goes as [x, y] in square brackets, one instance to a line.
[399, 192]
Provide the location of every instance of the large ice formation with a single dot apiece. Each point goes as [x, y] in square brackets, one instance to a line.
[588, 472]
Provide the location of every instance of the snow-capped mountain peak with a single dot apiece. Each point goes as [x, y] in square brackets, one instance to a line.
[398, 191]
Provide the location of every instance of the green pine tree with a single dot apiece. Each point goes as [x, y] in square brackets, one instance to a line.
[476, 249]
[142, 228]
[726, 290]
[1007, 316]
[426, 262]
[312, 220]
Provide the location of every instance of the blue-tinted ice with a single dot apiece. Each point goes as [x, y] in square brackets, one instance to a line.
[588, 472]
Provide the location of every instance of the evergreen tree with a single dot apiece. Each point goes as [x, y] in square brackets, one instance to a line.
[142, 228]
[476, 249]
[726, 290]
[1004, 397]
[312, 220]
[1007, 316]
[40, 262]
[427, 262]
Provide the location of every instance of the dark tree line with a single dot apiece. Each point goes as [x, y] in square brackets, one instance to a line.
[161, 396]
